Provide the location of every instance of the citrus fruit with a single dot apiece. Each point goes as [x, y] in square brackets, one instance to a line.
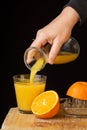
[46, 105]
[78, 90]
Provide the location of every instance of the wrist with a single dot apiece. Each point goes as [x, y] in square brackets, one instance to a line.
[70, 16]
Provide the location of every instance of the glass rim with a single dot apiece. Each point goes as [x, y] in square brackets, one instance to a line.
[26, 76]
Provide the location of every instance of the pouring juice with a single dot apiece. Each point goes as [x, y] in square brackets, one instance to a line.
[27, 88]
[68, 53]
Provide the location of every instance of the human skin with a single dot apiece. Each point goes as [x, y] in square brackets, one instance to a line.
[57, 32]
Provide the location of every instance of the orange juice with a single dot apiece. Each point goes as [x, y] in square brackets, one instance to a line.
[26, 92]
[65, 57]
[35, 68]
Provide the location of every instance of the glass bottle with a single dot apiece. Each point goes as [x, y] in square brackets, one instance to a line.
[68, 53]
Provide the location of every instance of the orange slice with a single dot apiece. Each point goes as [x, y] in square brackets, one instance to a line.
[78, 90]
[46, 105]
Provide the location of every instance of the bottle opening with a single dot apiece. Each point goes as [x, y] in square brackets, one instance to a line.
[32, 55]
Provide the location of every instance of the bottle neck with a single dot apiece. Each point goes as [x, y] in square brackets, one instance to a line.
[32, 55]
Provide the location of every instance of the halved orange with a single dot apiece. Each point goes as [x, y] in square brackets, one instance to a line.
[46, 105]
[78, 90]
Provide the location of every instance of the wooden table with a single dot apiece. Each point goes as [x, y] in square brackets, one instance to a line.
[18, 121]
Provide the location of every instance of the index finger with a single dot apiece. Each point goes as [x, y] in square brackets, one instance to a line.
[38, 42]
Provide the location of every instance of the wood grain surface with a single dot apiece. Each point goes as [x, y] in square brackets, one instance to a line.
[18, 121]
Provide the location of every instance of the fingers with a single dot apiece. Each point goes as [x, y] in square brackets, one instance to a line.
[54, 51]
[36, 43]
[40, 40]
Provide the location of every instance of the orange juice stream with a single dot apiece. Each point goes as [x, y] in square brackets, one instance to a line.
[35, 68]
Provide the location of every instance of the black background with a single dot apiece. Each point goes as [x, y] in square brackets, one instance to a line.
[19, 24]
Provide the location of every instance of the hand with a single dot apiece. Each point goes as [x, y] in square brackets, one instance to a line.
[57, 32]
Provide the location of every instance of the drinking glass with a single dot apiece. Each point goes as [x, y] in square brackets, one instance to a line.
[26, 92]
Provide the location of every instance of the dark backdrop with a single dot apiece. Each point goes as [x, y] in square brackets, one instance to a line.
[19, 23]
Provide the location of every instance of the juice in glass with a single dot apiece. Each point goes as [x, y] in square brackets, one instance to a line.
[26, 91]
